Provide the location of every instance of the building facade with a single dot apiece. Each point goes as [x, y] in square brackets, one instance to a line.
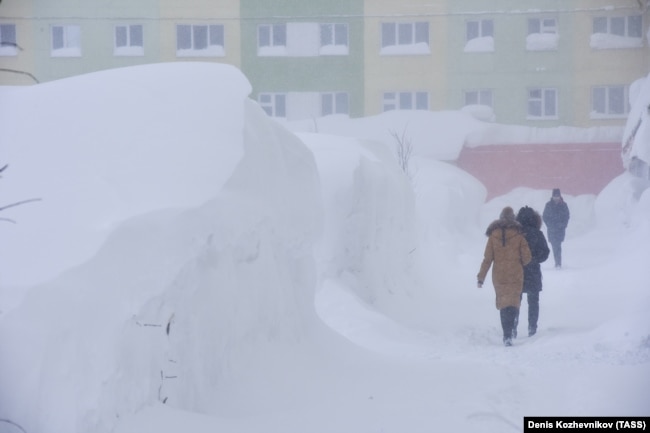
[534, 62]
[304, 59]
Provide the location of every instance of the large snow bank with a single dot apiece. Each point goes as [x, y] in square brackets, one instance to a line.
[209, 305]
[370, 232]
[110, 146]
[441, 135]
[174, 301]
[437, 135]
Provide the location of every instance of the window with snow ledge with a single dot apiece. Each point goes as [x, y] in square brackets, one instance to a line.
[542, 34]
[405, 101]
[128, 40]
[480, 36]
[200, 40]
[405, 39]
[8, 45]
[302, 39]
[66, 41]
[617, 32]
[542, 104]
[272, 40]
[334, 39]
[609, 102]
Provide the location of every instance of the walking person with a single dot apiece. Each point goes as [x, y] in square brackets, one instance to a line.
[508, 250]
[531, 223]
[556, 217]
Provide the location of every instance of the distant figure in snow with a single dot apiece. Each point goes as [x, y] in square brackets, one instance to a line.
[531, 223]
[556, 217]
[508, 250]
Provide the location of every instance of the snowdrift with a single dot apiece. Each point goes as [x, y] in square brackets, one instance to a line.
[101, 148]
[217, 200]
[188, 249]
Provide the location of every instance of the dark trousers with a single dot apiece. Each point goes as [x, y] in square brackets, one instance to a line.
[533, 311]
[557, 252]
[508, 318]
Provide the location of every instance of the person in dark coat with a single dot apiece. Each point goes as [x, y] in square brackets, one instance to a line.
[556, 217]
[531, 223]
[508, 250]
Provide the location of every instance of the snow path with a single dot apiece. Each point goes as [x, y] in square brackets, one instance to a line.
[580, 346]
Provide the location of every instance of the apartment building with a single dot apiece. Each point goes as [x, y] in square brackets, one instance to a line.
[304, 58]
[547, 63]
[535, 62]
[405, 55]
[44, 40]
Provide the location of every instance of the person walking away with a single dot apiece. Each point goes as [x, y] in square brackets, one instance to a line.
[556, 217]
[531, 223]
[507, 251]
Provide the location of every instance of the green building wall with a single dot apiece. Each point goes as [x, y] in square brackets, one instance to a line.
[510, 70]
[97, 20]
[336, 73]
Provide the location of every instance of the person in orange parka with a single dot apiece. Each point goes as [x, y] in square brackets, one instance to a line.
[508, 250]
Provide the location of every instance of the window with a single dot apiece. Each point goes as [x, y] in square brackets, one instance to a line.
[272, 39]
[275, 104]
[617, 32]
[334, 103]
[66, 41]
[128, 40]
[333, 39]
[479, 35]
[302, 39]
[542, 104]
[478, 97]
[203, 40]
[405, 38]
[542, 34]
[609, 101]
[406, 101]
[8, 45]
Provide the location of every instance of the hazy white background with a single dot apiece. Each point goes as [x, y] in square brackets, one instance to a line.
[190, 250]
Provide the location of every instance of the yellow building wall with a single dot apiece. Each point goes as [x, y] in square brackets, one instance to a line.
[20, 67]
[224, 12]
[594, 67]
[388, 73]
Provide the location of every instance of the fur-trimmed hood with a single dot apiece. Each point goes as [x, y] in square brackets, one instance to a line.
[502, 224]
[506, 229]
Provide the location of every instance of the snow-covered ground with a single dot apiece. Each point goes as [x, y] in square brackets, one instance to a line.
[194, 266]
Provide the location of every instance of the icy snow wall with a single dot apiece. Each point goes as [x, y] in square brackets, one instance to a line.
[221, 209]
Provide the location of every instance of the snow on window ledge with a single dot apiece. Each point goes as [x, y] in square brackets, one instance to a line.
[129, 51]
[334, 50]
[214, 51]
[480, 45]
[8, 51]
[418, 49]
[542, 41]
[604, 41]
[542, 118]
[280, 51]
[67, 52]
[602, 116]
